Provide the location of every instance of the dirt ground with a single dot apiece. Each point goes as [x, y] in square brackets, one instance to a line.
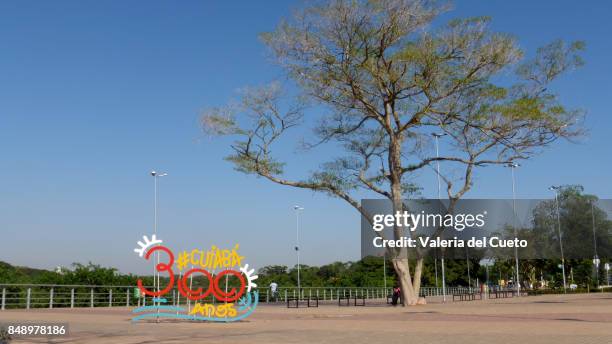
[585, 318]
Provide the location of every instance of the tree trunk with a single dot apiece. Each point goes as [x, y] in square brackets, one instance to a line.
[418, 272]
[402, 269]
[400, 257]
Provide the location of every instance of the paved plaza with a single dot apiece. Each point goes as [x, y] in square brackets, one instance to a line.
[584, 318]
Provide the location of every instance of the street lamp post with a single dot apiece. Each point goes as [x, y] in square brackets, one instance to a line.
[467, 261]
[437, 137]
[155, 176]
[556, 190]
[512, 166]
[436, 268]
[385, 271]
[596, 260]
[297, 209]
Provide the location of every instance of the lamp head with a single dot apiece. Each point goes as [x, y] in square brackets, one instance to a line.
[157, 174]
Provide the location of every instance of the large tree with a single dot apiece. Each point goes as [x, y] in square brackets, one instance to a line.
[382, 79]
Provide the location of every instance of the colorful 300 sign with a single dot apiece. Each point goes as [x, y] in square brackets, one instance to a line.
[234, 304]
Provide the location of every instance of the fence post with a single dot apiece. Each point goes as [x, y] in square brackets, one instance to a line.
[285, 295]
[110, 298]
[91, 298]
[28, 298]
[127, 298]
[4, 298]
[51, 298]
[72, 298]
[267, 295]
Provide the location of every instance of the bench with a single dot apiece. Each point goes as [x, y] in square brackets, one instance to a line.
[294, 302]
[502, 294]
[467, 296]
[346, 300]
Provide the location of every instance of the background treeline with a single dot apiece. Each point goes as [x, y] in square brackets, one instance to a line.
[367, 272]
[89, 274]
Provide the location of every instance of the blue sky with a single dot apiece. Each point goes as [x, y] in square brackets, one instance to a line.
[93, 95]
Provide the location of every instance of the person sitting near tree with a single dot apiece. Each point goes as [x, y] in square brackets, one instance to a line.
[396, 295]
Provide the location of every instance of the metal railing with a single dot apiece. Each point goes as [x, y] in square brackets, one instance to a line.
[332, 293]
[28, 296]
[70, 296]
[55, 295]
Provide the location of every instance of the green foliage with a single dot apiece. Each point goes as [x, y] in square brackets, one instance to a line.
[18, 274]
[367, 272]
[381, 79]
[90, 274]
[580, 219]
